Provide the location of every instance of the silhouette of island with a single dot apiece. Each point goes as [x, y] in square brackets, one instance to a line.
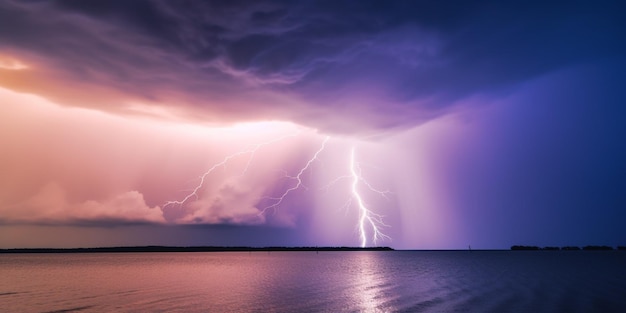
[597, 248]
[186, 249]
[517, 247]
[567, 248]
[570, 248]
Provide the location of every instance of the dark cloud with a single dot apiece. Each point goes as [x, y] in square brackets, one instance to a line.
[389, 63]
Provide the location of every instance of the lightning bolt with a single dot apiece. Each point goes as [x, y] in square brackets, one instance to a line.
[369, 222]
[366, 216]
[193, 195]
[297, 179]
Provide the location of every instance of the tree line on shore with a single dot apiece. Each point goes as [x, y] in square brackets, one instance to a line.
[187, 249]
[568, 248]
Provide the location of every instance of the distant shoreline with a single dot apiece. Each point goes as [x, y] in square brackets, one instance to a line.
[566, 248]
[136, 249]
[186, 249]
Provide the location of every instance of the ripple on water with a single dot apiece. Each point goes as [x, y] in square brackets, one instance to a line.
[325, 282]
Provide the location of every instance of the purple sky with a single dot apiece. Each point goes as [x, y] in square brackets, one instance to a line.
[411, 124]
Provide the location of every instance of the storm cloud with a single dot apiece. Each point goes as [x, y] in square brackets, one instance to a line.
[342, 66]
[489, 123]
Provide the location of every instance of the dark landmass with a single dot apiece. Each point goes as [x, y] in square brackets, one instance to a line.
[570, 248]
[597, 248]
[567, 248]
[525, 248]
[270, 249]
[186, 249]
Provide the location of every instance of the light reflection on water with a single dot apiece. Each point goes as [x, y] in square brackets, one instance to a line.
[504, 281]
[369, 280]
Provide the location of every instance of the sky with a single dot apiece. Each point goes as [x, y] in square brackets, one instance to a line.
[409, 124]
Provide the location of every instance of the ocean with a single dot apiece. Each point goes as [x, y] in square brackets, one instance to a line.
[306, 281]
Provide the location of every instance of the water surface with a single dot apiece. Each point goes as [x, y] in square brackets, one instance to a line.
[354, 281]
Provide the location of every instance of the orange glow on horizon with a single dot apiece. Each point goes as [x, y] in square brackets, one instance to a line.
[13, 64]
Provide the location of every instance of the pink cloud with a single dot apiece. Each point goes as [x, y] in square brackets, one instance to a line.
[63, 164]
[50, 205]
